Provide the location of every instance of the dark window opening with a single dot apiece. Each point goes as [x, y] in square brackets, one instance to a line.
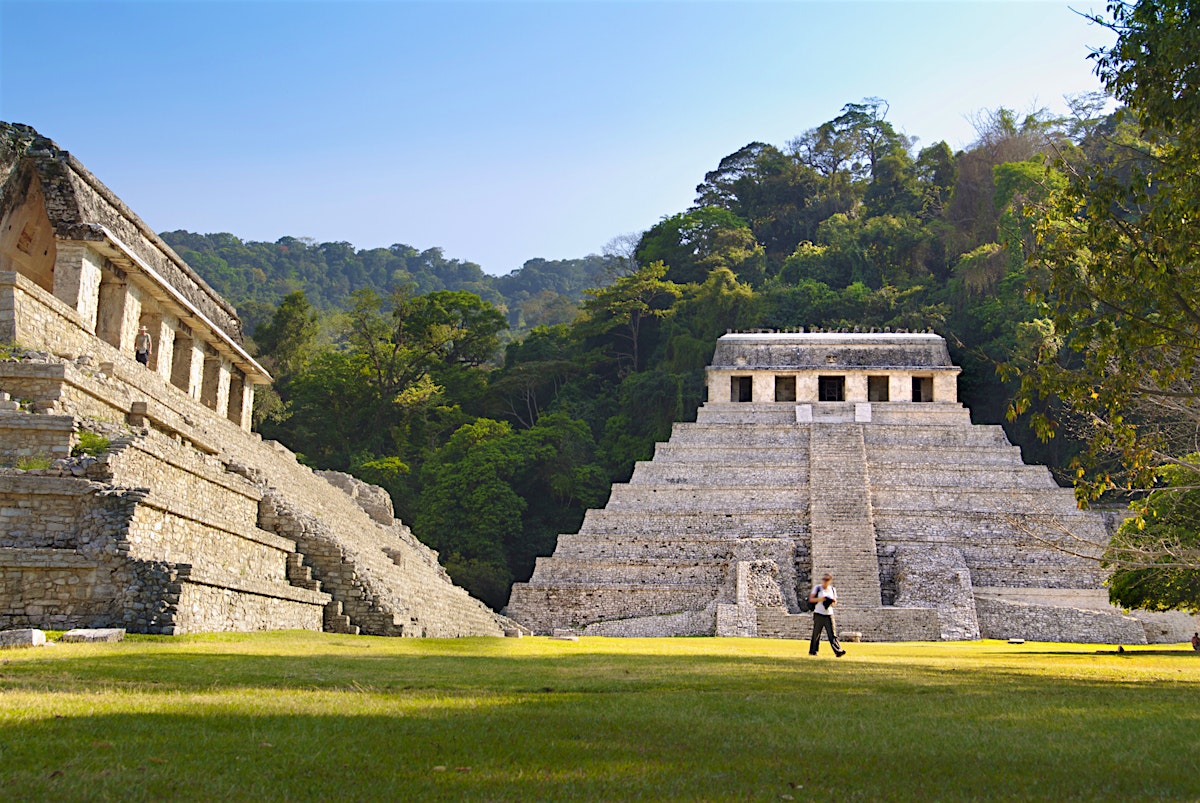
[741, 389]
[922, 388]
[831, 388]
[785, 388]
[877, 389]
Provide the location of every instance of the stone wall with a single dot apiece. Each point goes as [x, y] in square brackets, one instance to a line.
[936, 576]
[999, 619]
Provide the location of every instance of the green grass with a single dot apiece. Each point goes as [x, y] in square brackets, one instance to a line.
[90, 443]
[296, 716]
[35, 462]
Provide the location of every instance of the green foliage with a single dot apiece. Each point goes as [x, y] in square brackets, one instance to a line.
[90, 443]
[1156, 553]
[35, 462]
[288, 339]
[621, 315]
[693, 243]
[257, 276]
[495, 498]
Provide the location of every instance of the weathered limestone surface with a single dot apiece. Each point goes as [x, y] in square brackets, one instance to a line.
[94, 635]
[929, 524]
[22, 637]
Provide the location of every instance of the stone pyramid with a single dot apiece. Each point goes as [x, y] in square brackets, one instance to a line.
[846, 453]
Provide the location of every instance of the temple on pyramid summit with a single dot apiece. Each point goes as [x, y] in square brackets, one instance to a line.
[847, 453]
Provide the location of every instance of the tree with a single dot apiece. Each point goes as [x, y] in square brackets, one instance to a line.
[291, 334]
[849, 147]
[624, 308]
[1117, 272]
[1157, 555]
[695, 242]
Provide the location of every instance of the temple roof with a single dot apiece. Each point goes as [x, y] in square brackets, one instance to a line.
[819, 350]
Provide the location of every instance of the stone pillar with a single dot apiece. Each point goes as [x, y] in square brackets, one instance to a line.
[807, 387]
[118, 311]
[856, 387]
[187, 363]
[945, 386]
[224, 377]
[900, 386]
[241, 399]
[162, 335]
[718, 386]
[77, 280]
[214, 392]
[763, 386]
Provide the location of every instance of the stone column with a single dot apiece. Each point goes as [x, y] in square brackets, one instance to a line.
[118, 311]
[77, 280]
[187, 368]
[856, 387]
[718, 386]
[945, 386]
[900, 386]
[763, 387]
[241, 399]
[162, 334]
[807, 387]
[214, 391]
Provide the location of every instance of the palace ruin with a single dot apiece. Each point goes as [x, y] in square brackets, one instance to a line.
[846, 453]
[187, 521]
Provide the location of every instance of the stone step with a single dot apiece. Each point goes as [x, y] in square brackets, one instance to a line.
[732, 455]
[843, 538]
[791, 436]
[719, 474]
[680, 546]
[25, 435]
[943, 454]
[934, 436]
[948, 501]
[662, 498]
[337, 622]
[710, 525]
[630, 572]
[910, 474]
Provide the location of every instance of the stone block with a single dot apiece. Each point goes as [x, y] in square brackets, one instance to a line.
[94, 635]
[25, 637]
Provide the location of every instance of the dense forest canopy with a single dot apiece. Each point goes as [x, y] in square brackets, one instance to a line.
[256, 276]
[496, 410]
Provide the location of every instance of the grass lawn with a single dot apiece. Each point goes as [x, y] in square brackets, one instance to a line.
[307, 716]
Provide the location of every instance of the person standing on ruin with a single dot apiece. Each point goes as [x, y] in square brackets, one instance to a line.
[823, 597]
[141, 346]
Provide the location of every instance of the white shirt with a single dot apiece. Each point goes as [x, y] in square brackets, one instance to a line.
[825, 594]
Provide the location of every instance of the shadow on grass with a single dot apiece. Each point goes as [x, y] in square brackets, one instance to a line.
[1043, 741]
[363, 719]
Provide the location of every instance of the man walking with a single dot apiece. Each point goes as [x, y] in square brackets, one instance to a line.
[823, 597]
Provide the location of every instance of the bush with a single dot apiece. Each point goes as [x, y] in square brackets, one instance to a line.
[90, 443]
[34, 462]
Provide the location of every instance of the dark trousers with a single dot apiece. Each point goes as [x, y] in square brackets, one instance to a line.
[823, 622]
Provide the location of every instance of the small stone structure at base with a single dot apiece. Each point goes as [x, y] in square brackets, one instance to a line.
[846, 453]
[183, 521]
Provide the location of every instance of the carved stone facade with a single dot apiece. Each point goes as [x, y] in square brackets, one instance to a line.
[185, 521]
[846, 453]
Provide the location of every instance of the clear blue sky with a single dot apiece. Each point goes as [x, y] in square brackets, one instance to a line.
[500, 131]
